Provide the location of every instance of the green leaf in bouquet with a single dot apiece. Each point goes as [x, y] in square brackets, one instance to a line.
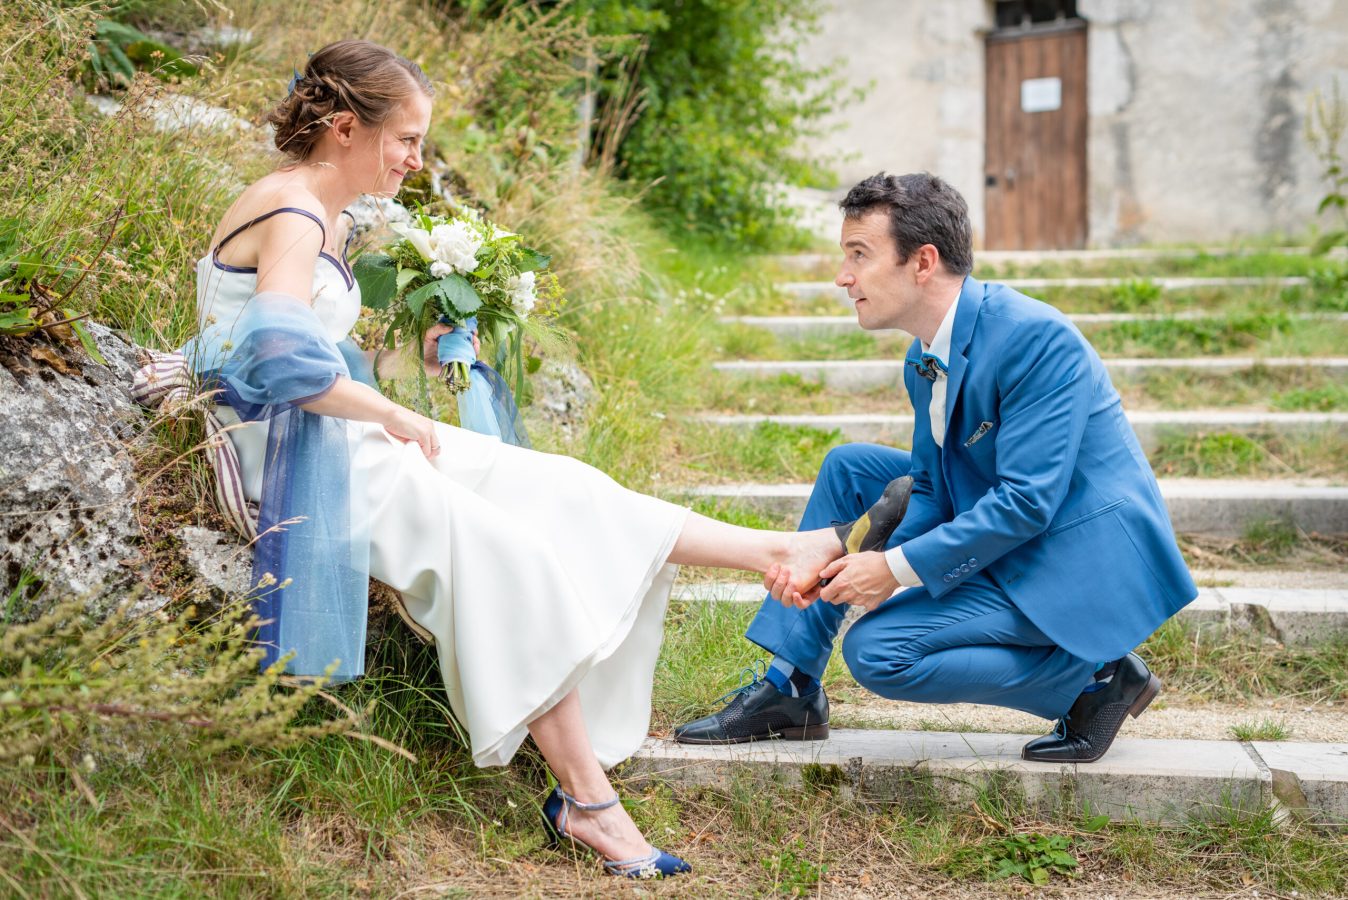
[532, 261]
[416, 301]
[406, 277]
[461, 295]
[377, 275]
[453, 295]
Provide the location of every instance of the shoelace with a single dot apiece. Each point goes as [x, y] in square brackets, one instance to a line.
[756, 672]
[1060, 729]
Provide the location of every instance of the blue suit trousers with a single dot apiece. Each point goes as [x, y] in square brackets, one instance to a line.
[971, 646]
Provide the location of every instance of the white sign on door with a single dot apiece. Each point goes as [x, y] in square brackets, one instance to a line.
[1040, 95]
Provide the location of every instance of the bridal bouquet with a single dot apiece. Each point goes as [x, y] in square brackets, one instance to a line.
[462, 271]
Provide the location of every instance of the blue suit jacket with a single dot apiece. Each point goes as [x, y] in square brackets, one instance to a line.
[1053, 496]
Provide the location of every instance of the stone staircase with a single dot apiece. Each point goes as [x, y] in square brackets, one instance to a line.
[1173, 762]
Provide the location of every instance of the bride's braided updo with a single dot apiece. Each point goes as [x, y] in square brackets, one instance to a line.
[346, 76]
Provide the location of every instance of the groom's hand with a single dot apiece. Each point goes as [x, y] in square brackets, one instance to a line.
[859, 579]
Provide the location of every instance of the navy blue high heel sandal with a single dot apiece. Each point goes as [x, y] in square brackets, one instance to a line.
[557, 809]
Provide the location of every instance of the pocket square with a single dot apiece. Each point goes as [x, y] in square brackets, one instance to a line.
[978, 434]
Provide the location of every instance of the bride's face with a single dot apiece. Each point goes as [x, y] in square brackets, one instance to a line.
[385, 154]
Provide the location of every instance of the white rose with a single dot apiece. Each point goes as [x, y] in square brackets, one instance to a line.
[440, 269]
[521, 290]
[418, 236]
[457, 244]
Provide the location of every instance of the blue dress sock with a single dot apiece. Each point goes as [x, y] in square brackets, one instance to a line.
[789, 680]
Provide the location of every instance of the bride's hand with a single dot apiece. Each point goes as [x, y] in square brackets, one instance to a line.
[430, 349]
[408, 426]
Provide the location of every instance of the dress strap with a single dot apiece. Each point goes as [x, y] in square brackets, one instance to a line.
[350, 233]
[215, 254]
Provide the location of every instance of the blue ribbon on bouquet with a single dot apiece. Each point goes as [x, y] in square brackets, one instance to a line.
[487, 406]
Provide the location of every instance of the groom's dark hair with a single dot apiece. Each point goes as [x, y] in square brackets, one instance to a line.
[923, 209]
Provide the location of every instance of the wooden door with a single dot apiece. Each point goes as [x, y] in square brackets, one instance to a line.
[1035, 168]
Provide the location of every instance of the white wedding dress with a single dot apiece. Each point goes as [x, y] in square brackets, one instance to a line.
[535, 573]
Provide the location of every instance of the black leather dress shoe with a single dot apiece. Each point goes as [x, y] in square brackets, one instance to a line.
[759, 712]
[1085, 733]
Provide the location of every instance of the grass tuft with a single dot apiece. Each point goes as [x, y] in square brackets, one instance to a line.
[1260, 730]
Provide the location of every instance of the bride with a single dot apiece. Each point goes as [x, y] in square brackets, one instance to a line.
[543, 582]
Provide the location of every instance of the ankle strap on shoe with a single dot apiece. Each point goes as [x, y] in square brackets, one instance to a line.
[587, 807]
[641, 867]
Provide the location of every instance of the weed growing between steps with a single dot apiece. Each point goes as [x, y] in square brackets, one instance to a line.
[1260, 335]
[1234, 261]
[1326, 293]
[1255, 334]
[774, 453]
[1260, 455]
[1260, 730]
[1209, 665]
[1282, 388]
[1268, 543]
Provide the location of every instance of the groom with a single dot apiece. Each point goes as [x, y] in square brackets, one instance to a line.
[1036, 551]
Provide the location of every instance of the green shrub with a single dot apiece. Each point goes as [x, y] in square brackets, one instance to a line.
[702, 104]
[726, 108]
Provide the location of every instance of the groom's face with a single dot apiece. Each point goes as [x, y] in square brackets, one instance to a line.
[882, 289]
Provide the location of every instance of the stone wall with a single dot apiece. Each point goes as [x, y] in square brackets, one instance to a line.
[1197, 115]
[1196, 108]
[924, 110]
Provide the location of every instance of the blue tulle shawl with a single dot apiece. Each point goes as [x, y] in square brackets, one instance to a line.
[311, 559]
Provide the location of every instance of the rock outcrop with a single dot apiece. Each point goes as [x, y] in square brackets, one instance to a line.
[71, 505]
[67, 478]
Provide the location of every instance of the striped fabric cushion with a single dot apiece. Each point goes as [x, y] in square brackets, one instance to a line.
[166, 382]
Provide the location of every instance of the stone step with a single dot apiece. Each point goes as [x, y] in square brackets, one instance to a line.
[1149, 425]
[808, 261]
[812, 290]
[1197, 505]
[866, 374]
[1168, 781]
[1297, 618]
[804, 327]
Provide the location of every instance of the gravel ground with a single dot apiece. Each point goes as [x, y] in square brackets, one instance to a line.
[1211, 721]
[1291, 579]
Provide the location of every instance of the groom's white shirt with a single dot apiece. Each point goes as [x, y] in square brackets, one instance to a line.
[940, 348]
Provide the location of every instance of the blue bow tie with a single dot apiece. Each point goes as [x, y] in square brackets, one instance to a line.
[929, 365]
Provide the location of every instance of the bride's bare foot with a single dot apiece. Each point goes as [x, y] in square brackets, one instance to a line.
[794, 578]
[610, 831]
